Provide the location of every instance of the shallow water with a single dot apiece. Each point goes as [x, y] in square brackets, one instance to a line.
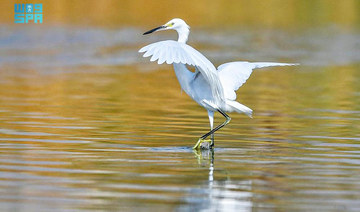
[87, 124]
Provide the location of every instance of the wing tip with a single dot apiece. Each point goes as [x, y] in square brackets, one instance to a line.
[144, 55]
[160, 62]
[143, 49]
[271, 64]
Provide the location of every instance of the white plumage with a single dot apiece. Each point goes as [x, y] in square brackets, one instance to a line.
[234, 74]
[170, 51]
[212, 88]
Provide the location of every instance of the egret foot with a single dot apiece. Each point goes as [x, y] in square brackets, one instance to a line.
[204, 156]
[203, 144]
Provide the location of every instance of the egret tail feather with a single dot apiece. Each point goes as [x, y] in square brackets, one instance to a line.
[240, 108]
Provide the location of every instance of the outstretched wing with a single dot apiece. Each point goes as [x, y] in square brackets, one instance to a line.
[174, 52]
[233, 75]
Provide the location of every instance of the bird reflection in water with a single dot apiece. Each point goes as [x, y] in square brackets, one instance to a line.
[223, 194]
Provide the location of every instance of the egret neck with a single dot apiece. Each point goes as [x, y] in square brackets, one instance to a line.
[183, 32]
[182, 73]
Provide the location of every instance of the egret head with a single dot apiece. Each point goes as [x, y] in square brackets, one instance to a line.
[176, 24]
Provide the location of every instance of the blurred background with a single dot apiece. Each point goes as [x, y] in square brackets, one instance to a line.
[91, 32]
[87, 124]
[291, 14]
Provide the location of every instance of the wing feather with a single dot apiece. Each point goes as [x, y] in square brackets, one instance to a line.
[169, 56]
[148, 53]
[155, 56]
[233, 75]
[182, 57]
[162, 56]
[174, 52]
[177, 55]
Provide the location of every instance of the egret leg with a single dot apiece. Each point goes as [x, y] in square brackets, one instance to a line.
[205, 144]
[211, 132]
[218, 127]
[211, 120]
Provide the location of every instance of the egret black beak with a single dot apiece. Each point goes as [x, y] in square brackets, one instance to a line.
[154, 30]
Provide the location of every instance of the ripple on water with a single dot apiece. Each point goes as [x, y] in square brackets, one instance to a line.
[84, 128]
[45, 140]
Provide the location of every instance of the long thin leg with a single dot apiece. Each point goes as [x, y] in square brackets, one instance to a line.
[218, 127]
[211, 132]
[211, 120]
[212, 140]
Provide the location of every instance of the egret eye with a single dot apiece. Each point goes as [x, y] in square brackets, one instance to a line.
[171, 24]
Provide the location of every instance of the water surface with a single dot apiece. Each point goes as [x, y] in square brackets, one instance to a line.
[86, 124]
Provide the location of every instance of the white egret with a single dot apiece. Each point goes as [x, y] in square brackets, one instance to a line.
[212, 88]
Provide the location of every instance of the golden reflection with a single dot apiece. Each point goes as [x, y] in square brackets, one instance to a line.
[111, 137]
